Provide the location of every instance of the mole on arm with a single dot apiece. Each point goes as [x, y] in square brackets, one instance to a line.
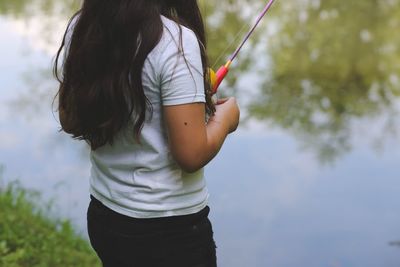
[186, 123]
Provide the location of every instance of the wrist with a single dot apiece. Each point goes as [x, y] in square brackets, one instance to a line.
[219, 123]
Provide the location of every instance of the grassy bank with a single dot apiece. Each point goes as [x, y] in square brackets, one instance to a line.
[29, 237]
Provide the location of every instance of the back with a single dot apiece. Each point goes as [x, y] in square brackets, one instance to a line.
[143, 180]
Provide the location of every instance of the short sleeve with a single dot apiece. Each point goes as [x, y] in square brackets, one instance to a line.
[181, 77]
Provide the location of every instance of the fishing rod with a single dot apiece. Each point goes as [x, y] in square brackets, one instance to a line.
[218, 77]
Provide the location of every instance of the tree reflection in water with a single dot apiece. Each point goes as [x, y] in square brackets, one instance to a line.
[47, 15]
[332, 62]
[43, 21]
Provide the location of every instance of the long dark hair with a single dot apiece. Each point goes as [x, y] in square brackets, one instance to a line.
[101, 81]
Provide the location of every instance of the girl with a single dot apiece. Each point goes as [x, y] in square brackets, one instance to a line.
[133, 86]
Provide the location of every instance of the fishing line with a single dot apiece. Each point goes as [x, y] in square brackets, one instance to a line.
[231, 44]
[236, 37]
[217, 78]
[260, 17]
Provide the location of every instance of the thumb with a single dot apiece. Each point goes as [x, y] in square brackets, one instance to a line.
[222, 101]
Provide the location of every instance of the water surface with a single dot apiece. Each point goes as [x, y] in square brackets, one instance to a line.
[311, 177]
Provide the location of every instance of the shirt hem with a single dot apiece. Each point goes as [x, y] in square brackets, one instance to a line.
[147, 214]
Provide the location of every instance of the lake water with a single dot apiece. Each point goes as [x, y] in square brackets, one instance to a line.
[284, 193]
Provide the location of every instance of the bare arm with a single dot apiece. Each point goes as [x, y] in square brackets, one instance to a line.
[194, 143]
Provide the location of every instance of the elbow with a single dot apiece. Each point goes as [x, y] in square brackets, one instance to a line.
[189, 164]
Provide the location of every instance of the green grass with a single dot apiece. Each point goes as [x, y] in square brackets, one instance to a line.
[30, 237]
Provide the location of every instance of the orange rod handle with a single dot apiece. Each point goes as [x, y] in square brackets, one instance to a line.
[221, 73]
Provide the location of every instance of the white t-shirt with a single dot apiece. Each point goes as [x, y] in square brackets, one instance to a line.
[143, 180]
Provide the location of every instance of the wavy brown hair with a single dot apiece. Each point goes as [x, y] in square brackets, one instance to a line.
[100, 79]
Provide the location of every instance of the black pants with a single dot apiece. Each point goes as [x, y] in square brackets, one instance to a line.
[122, 241]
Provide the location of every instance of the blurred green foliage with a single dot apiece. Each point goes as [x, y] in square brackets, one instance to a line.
[29, 238]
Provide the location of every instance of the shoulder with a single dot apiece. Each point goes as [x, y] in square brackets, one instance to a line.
[176, 36]
[173, 29]
[176, 58]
